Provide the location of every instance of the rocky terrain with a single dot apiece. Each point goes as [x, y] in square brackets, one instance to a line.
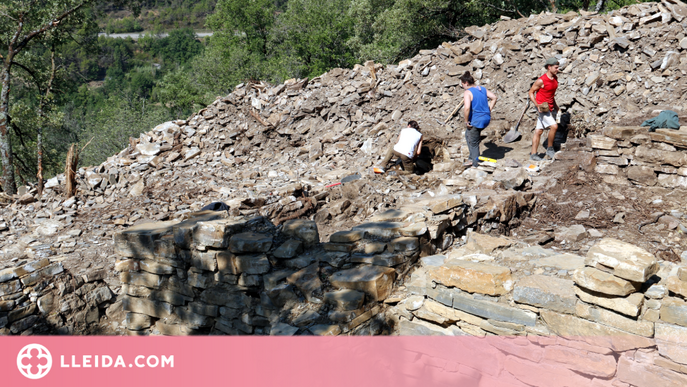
[588, 244]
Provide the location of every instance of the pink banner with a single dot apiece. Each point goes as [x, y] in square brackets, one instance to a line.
[302, 361]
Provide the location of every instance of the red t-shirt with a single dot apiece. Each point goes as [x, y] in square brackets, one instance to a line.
[547, 91]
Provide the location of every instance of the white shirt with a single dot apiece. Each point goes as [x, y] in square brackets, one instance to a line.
[407, 142]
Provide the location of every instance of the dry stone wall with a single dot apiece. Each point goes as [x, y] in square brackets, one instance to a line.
[616, 317]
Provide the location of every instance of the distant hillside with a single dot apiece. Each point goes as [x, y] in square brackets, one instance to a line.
[159, 15]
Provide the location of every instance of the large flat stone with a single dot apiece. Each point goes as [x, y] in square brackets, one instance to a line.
[602, 282]
[385, 259]
[288, 249]
[10, 287]
[660, 157]
[216, 233]
[375, 281]
[418, 327]
[596, 334]
[674, 311]
[622, 259]
[250, 242]
[629, 305]
[183, 231]
[492, 310]
[560, 261]
[147, 307]
[305, 230]
[345, 299]
[671, 341]
[645, 374]
[139, 241]
[307, 280]
[546, 292]
[152, 281]
[391, 215]
[670, 136]
[384, 230]
[347, 236]
[251, 264]
[624, 132]
[677, 286]
[473, 277]
[606, 317]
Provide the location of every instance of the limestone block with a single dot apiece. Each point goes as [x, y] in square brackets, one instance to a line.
[630, 305]
[641, 374]
[139, 241]
[305, 230]
[375, 281]
[282, 329]
[596, 334]
[546, 292]
[289, 249]
[384, 259]
[383, 230]
[183, 231]
[473, 277]
[224, 294]
[251, 264]
[601, 142]
[216, 233]
[602, 282]
[622, 259]
[147, 265]
[204, 260]
[46, 272]
[404, 245]
[250, 242]
[345, 299]
[574, 233]
[677, 286]
[10, 287]
[512, 179]
[671, 341]
[642, 174]
[657, 156]
[391, 215]
[148, 280]
[603, 316]
[325, 330]
[418, 327]
[674, 311]
[493, 310]
[151, 308]
[307, 280]
[347, 236]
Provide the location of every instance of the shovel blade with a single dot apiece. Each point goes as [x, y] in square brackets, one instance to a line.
[511, 136]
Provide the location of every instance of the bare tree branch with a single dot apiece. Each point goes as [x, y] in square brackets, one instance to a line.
[48, 26]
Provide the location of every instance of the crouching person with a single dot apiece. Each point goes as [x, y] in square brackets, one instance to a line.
[407, 149]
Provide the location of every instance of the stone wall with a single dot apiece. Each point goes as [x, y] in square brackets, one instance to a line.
[213, 274]
[633, 155]
[40, 297]
[616, 317]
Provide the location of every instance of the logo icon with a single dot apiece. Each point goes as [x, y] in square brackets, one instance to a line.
[34, 361]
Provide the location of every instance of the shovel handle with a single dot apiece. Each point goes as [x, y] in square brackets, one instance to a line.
[522, 114]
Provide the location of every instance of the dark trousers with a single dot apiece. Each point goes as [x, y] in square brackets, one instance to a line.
[472, 137]
[408, 163]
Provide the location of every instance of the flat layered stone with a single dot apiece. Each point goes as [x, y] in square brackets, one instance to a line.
[473, 277]
[375, 281]
[139, 241]
[251, 264]
[305, 230]
[671, 341]
[347, 236]
[183, 231]
[596, 334]
[345, 299]
[658, 156]
[391, 215]
[325, 330]
[204, 260]
[289, 249]
[630, 305]
[624, 132]
[404, 245]
[10, 287]
[603, 316]
[11, 273]
[546, 292]
[670, 136]
[674, 311]
[560, 261]
[383, 230]
[602, 282]
[250, 242]
[622, 259]
[216, 233]
[418, 327]
[677, 286]
[150, 308]
[148, 280]
[136, 321]
[385, 259]
[601, 142]
[492, 310]
[307, 280]
[645, 374]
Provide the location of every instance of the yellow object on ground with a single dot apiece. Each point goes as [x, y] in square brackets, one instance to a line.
[482, 158]
[378, 170]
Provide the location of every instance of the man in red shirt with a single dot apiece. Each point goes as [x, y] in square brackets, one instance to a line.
[542, 93]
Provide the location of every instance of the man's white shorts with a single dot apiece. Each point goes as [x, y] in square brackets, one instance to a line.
[547, 119]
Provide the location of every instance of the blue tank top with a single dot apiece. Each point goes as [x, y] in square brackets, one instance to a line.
[480, 116]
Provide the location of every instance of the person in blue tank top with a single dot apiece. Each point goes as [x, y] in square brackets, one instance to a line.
[479, 102]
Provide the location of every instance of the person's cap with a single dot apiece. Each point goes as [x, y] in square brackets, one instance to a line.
[551, 62]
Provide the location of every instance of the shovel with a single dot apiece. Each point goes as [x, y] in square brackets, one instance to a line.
[513, 134]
